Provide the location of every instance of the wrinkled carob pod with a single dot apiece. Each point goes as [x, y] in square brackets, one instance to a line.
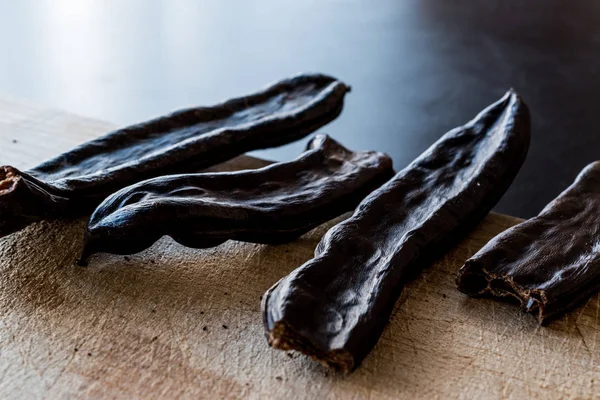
[274, 204]
[335, 306]
[75, 182]
[550, 263]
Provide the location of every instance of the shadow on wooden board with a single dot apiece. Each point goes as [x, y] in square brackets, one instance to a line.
[174, 321]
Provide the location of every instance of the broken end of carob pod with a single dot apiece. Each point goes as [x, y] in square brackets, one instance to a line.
[24, 200]
[283, 335]
[549, 264]
[270, 205]
[335, 306]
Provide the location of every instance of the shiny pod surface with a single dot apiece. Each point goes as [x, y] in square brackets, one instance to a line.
[549, 263]
[274, 204]
[335, 306]
[74, 182]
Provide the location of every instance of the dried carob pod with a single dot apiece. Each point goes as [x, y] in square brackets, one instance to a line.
[335, 306]
[75, 182]
[549, 263]
[274, 204]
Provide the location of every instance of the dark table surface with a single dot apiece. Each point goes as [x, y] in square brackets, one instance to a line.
[417, 68]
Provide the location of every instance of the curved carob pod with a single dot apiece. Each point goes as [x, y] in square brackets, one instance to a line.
[75, 182]
[335, 306]
[274, 204]
[549, 263]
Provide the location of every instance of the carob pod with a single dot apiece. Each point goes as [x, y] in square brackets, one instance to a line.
[335, 306]
[75, 182]
[550, 263]
[274, 204]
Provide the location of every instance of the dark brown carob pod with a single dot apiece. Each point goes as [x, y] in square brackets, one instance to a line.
[335, 306]
[75, 182]
[549, 263]
[274, 204]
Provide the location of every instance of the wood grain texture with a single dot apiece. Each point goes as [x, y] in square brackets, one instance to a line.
[173, 321]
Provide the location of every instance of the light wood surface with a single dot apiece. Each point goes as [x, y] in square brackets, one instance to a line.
[176, 322]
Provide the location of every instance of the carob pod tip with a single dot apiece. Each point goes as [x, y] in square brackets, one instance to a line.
[25, 199]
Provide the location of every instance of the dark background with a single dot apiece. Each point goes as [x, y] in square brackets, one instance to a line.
[417, 68]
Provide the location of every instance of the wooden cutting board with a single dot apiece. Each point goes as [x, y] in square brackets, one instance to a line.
[176, 322]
